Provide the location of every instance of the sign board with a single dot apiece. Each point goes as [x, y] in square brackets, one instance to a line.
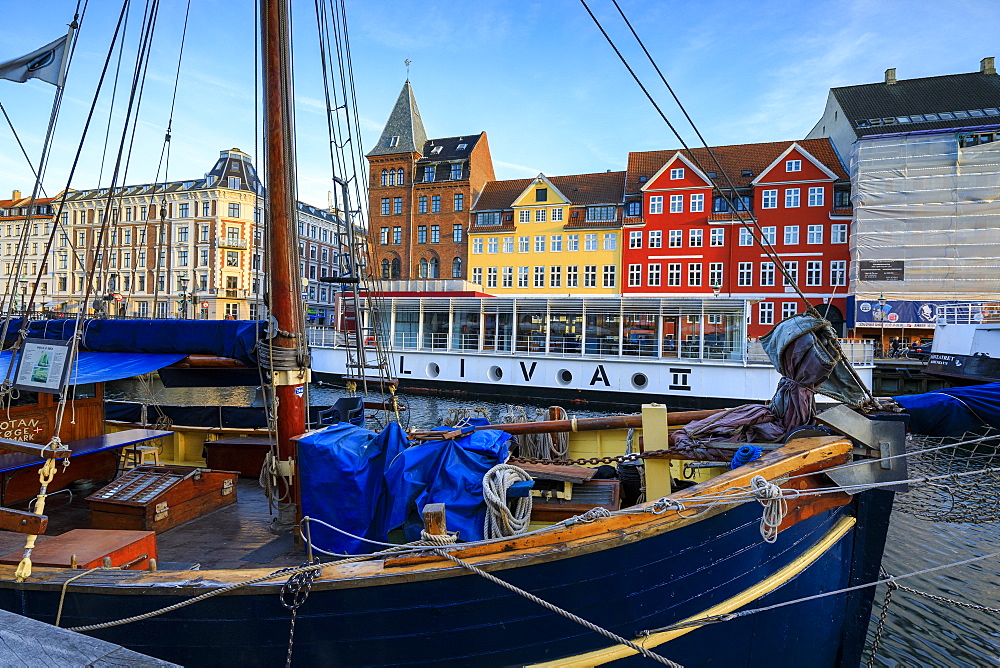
[880, 270]
[204, 304]
[42, 366]
[118, 296]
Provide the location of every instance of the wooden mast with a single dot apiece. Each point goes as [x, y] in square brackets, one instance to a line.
[284, 303]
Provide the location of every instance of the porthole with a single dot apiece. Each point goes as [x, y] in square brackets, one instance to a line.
[564, 376]
[639, 381]
[495, 373]
[433, 370]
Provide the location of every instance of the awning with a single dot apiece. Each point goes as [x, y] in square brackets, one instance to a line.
[102, 367]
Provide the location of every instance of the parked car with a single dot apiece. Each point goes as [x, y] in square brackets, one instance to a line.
[920, 351]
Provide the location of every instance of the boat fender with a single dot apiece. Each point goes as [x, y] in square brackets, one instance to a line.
[745, 455]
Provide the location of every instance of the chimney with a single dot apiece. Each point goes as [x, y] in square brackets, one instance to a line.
[890, 76]
[986, 66]
[16, 195]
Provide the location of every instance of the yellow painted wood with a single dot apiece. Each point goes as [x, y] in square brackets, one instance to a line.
[765, 586]
[655, 431]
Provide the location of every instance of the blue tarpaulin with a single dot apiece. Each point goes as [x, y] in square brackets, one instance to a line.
[369, 484]
[101, 367]
[953, 411]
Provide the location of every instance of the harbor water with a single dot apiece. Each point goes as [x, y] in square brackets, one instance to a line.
[918, 631]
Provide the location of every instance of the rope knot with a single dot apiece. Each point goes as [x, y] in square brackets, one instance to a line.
[591, 515]
[775, 507]
[663, 504]
[440, 539]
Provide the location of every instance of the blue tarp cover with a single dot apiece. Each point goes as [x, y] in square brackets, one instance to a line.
[368, 484]
[953, 411]
[101, 367]
[225, 338]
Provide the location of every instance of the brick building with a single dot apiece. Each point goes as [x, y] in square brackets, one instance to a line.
[24, 232]
[420, 194]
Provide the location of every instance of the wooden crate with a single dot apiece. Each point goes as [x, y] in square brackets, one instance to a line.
[90, 547]
[157, 498]
[244, 454]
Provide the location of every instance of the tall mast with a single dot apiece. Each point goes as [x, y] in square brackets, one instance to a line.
[290, 369]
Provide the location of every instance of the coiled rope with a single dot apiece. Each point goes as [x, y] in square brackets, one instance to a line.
[775, 507]
[501, 519]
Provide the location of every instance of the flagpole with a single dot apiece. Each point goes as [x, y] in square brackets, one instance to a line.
[69, 45]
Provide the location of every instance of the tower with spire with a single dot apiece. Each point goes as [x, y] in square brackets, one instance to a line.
[420, 193]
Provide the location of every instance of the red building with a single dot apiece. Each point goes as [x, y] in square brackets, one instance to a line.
[684, 235]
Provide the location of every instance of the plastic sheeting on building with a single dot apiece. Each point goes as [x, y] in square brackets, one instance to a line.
[922, 199]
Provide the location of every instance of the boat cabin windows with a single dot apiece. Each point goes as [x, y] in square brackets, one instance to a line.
[20, 398]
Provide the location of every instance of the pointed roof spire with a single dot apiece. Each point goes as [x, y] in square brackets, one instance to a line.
[404, 131]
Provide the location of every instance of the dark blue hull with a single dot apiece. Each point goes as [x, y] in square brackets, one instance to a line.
[465, 620]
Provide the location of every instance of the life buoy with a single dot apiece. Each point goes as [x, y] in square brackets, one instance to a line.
[370, 342]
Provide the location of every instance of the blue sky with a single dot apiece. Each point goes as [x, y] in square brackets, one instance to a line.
[536, 76]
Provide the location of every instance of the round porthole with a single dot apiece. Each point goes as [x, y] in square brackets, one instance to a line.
[564, 376]
[639, 380]
[433, 370]
[495, 373]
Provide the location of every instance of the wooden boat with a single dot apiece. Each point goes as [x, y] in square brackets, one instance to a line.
[647, 573]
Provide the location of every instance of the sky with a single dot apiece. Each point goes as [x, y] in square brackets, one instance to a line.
[537, 77]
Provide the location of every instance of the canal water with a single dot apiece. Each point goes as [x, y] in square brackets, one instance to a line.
[918, 631]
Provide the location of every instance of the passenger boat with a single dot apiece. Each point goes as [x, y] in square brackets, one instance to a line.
[665, 576]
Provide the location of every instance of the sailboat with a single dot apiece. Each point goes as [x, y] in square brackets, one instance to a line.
[754, 563]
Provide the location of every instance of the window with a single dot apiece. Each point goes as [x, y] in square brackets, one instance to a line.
[539, 277]
[182, 210]
[385, 262]
[697, 202]
[399, 176]
[677, 204]
[203, 234]
[814, 234]
[436, 204]
[557, 215]
[791, 273]
[769, 199]
[814, 273]
[746, 237]
[674, 274]
[457, 233]
[232, 259]
[485, 219]
[422, 268]
[397, 205]
[601, 213]
[573, 242]
[655, 239]
[555, 276]
[540, 215]
[491, 277]
[766, 274]
[788, 309]
[791, 235]
[234, 209]
[555, 243]
[397, 235]
[385, 206]
[715, 274]
[491, 245]
[635, 239]
[522, 277]
[769, 234]
[572, 277]
[610, 241]
[422, 204]
[765, 313]
[744, 277]
[456, 172]
[459, 202]
[791, 198]
[235, 182]
[676, 173]
[182, 234]
[541, 194]
[206, 208]
[523, 244]
[838, 272]
[524, 216]
[793, 165]
[656, 204]
[422, 234]
[634, 275]
[717, 236]
[477, 245]
[590, 276]
[838, 233]
[540, 243]
[675, 239]
[816, 196]
[610, 275]
[696, 238]
[653, 275]
[694, 274]
[385, 182]
[429, 173]
[435, 234]
[508, 244]
[590, 242]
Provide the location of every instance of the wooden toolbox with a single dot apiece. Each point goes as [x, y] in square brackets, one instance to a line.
[90, 548]
[157, 498]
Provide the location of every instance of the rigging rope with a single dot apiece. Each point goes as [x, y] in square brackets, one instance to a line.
[501, 519]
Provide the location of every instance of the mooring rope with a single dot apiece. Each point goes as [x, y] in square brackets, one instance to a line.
[501, 519]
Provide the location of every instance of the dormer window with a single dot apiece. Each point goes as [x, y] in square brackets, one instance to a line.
[746, 172]
[676, 173]
[429, 173]
[234, 167]
[461, 147]
[793, 165]
[392, 142]
[436, 150]
[456, 171]
[643, 178]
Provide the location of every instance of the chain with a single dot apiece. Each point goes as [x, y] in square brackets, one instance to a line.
[877, 640]
[294, 593]
[592, 461]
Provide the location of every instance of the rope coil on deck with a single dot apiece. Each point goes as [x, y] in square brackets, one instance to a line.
[501, 519]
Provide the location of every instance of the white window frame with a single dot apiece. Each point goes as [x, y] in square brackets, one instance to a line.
[696, 238]
[814, 234]
[675, 239]
[610, 241]
[694, 274]
[557, 215]
[524, 216]
[746, 237]
[715, 273]
[635, 239]
[697, 202]
[477, 245]
[555, 243]
[610, 275]
[838, 233]
[788, 310]
[744, 275]
[656, 239]
[717, 237]
[635, 275]
[793, 165]
[769, 199]
[676, 173]
[765, 313]
[814, 273]
[540, 215]
[767, 274]
[677, 204]
[491, 277]
[838, 273]
[674, 274]
[590, 242]
[791, 271]
[656, 204]
[540, 243]
[792, 198]
[769, 234]
[654, 274]
[791, 235]
[817, 196]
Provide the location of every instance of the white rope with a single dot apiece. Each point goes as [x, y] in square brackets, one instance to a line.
[775, 507]
[501, 519]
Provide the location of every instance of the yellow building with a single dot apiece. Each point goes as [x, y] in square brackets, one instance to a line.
[549, 237]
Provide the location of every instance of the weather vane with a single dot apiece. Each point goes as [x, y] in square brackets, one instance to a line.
[407, 63]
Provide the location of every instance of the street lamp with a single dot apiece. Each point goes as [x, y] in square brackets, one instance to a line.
[184, 295]
[716, 289]
[881, 318]
[24, 294]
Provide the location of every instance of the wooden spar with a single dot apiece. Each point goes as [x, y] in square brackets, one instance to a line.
[284, 303]
[208, 362]
[594, 424]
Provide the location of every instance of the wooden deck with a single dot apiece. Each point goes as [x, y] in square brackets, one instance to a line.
[220, 539]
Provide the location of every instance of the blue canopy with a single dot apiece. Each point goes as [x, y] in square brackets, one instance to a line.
[224, 338]
[100, 367]
[953, 411]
